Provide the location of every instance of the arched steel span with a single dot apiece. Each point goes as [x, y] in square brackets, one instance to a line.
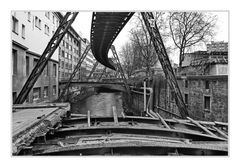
[105, 28]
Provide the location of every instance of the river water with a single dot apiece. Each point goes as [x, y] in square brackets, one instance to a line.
[100, 104]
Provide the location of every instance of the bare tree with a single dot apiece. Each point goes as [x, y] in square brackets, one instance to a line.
[141, 42]
[128, 58]
[189, 28]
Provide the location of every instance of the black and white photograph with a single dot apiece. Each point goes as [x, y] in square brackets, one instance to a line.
[119, 83]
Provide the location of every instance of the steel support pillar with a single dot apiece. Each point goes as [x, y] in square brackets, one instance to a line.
[164, 60]
[54, 42]
[93, 69]
[103, 72]
[66, 87]
[120, 69]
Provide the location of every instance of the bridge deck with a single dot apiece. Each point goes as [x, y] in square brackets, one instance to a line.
[31, 121]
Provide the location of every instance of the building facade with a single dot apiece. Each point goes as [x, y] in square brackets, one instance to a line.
[203, 81]
[206, 96]
[69, 54]
[219, 46]
[28, 28]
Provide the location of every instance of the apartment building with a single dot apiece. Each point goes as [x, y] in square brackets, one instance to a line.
[217, 46]
[31, 32]
[88, 62]
[69, 54]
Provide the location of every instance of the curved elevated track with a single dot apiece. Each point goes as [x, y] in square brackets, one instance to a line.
[105, 28]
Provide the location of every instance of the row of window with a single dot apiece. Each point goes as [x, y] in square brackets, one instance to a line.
[15, 27]
[67, 55]
[47, 14]
[38, 24]
[37, 94]
[27, 65]
[71, 39]
[67, 65]
[70, 47]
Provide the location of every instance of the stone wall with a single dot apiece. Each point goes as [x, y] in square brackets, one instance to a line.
[196, 91]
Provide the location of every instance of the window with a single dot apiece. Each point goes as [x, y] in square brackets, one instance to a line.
[186, 84]
[36, 93]
[46, 30]
[186, 99]
[45, 91]
[62, 64]
[29, 16]
[63, 43]
[15, 61]
[57, 22]
[206, 84]
[54, 90]
[23, 31]
[14, 25]
[38, 22]
[67, 45]
[70, 48]
[207, 103]
[53, 19]
[14, 96]
[70, 56]
[35, 60]
[46, 71]
[59, 50]
[62, 53]
[27, 65]
[54, 70]
[47, 14]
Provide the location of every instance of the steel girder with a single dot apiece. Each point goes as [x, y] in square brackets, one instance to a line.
[164, 60]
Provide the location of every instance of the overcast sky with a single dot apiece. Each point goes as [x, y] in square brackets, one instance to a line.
[82, 25]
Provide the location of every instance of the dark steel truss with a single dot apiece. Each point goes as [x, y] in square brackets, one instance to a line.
[65, 24]
[164, 60]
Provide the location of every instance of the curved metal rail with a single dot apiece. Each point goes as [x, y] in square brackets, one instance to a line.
[105, 28]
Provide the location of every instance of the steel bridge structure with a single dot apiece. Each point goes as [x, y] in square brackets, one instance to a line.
[120, 134]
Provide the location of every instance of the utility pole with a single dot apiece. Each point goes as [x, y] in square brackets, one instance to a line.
[164, 60]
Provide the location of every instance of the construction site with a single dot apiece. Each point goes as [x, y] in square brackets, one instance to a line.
[173, 113]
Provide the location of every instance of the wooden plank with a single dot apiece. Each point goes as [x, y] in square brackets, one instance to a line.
[162, 120]
[181, 121]
[202, 127]
[221, 123]
[78, 115]
[89, 118]
[123, 115]
[152, 114]
[115, 117]
[220, 132]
